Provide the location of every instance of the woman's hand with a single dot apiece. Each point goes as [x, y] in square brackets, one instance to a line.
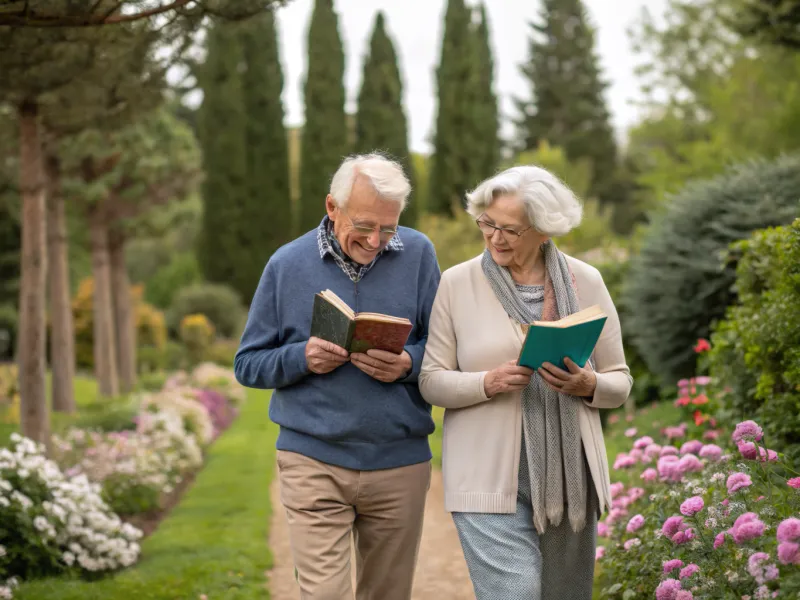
[577, 382]
[508, 377]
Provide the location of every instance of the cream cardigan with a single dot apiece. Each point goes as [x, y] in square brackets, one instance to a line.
[470, 334]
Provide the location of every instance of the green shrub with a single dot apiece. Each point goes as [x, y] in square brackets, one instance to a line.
[755, 351]
[219, 303]
[108, 416]
[677, 288]
[222, 352]
[182, 271]
[8, 331]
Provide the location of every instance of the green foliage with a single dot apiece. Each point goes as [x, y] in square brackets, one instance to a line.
[222, 352]
[197, 333]
[770, 21]
[456, 239]
[324, 140]
[566, 107]
[381, 120]
[219, 303]
[755, 350]
[676, 288]
[182, 271]
[9, 324]
[455, 164]
[485, 114]
[420, 164]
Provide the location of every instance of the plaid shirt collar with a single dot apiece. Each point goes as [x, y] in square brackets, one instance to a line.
[328, 244]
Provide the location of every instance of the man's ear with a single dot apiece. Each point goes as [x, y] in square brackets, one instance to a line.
[330, 206]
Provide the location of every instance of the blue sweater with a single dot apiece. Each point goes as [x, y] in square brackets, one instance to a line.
[344, 417]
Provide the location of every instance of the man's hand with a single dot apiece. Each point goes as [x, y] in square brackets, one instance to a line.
[577, 382]
[508, 377]
[323, 357]
[381, 365]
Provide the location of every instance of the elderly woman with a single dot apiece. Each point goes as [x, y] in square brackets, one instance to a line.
[524, 461]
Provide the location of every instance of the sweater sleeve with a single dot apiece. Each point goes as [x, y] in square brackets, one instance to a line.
[614, 379]
[441, 382]
[263, 361]
[429, 283]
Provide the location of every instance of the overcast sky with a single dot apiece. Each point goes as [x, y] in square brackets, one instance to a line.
[416, 29]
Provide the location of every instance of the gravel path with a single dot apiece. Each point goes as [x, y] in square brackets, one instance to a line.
[441, 570]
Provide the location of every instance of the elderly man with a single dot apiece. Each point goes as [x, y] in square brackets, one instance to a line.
[353, 451]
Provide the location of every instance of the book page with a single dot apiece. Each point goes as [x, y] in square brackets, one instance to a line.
[591, 313]
[380, 318]
[338, 303]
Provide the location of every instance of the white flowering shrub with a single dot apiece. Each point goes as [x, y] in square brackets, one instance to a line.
[210, 376]
[52, 523]
[181, 401]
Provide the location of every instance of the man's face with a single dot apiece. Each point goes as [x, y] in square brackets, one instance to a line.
[364, 210]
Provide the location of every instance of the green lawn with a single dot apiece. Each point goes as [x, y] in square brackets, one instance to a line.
[215, 541]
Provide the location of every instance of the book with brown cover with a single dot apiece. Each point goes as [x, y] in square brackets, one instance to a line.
[333, 320]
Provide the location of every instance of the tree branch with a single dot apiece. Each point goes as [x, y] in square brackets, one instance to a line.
[27, 18]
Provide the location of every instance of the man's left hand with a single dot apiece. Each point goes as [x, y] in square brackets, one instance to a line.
[381, 365]
[577, 382]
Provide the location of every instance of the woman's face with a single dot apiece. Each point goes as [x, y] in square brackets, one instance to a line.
[515, 243]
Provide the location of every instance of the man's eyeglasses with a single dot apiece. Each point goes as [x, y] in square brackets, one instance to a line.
[366, 229]
[509, 235]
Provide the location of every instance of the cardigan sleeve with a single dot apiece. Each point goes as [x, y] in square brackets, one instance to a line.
[440, 381]
[614, 379]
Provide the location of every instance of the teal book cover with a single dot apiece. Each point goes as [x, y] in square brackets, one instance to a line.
[551, 344]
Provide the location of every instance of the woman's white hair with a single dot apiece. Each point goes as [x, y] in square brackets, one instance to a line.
[384, 174]
[552, 208]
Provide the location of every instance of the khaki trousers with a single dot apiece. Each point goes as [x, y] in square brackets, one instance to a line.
[383, 510]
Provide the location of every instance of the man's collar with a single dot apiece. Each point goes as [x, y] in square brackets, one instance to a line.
[394, 245]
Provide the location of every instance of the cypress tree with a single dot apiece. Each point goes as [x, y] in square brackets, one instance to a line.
[381, 120]
[486, 117]
[324, 140]
[454, 167]
[222, 137]
[567, 108]
[266, 217]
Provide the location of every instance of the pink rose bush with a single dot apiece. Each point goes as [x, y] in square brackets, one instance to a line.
[705, 521]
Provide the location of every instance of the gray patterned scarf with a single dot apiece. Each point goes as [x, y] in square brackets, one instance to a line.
[550, 419]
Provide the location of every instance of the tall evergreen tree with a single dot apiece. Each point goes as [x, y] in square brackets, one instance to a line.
[567, 107]
[454, 167]
[222, 138]
[381, 120]
[486, 117]
[324, 141]
[266, 217]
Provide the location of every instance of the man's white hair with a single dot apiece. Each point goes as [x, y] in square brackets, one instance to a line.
[552, 208]
[384, 174]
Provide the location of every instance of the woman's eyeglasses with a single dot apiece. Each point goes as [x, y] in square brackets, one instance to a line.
[509, 235]
[367, 229]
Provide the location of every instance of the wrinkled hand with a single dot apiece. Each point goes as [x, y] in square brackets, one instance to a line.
[578, 381]
[381, 365]
[508, 377]
[323, 356]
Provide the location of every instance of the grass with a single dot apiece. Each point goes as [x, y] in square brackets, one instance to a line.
[214, 542]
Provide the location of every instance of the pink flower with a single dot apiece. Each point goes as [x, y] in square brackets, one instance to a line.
[759, 571]
[630, 432]
[636, 454]
[668, 468]
[725, 502]
[683, 383]
[747, 527]
[668, 450]
[701, 346]
[738, 481]
[683, 536]
[688, 571]
[615, 514]
[748, 430]
[636, 493]
[674, 432]
[631, 543]
[671, 565]
[613, 419]
[692, 506]
[652, 451]
[689, 464]
[789, 530]
[794, 483]
[712, 434]
[599, 552]
[711, 452]
[767, 455]
[649, 475]
[602, 529]
[616, 489]
[702, 380]
[789, 553]
[621, 502]
[691, 447]
[672, 525]
[668, 589]
[624, 461]
[635, 523]
[719, 540]
[684, 595]
[748, 450]
[643, 442]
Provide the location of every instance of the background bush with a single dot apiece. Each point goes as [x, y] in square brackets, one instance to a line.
[755, 351]
[182, 271]
[219, 303]
[677, 288]
[8, 331]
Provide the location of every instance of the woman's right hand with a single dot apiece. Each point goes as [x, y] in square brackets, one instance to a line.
[508, 377]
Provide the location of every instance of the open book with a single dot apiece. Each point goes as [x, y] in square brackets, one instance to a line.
[333, 320]
[574, 336]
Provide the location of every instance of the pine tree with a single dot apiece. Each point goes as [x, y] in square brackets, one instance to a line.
[381, 120]
[222, 138]
[266, 217]
[324, 140]
[486, 117]
[454, 168]
[567, 108]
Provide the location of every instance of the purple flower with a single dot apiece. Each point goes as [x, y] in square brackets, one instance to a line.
[759, 571]
[649, 475]
[643, 442]
[747, 527]
[719, 540]
[789, 553]
[692, 506]
[689, 464]
[789, 530]
[635, 523]
[691, 447]
[667, 450]
[668, 589]
[689, 570]
[671, 565]
[711, 452]
[748, 430]
[738, 481]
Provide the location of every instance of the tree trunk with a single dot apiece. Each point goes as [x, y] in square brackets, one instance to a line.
[62, 339]
[124, 315]
[34, 416]
[105, 350]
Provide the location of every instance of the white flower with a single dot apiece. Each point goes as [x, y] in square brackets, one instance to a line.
[41, 523]
[69, 558]
[716, 477]
[5, 592]
[698, 491]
